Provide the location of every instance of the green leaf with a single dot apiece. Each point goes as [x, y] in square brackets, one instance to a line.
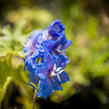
[4, 87]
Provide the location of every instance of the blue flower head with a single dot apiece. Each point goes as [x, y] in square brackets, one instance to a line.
[46, 60]
[56, 28]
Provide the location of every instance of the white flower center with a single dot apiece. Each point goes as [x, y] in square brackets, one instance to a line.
[58, 71]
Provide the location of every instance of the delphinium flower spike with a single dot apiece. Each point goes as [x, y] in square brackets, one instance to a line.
[45, 59]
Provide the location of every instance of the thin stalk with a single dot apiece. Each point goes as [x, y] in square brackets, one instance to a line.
[34, 98]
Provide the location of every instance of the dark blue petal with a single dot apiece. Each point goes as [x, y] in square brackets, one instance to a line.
[66, 45]
[64, 42]
[56, 28]
[47, 87]
[33, 78]
[62, 61]
[63, 78]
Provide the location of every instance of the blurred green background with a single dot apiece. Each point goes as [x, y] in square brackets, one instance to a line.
[87, 25]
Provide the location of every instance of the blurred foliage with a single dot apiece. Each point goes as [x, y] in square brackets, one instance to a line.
[89, 53]
[12, 40]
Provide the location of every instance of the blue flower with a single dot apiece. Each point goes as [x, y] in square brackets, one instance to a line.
[56, 28]
[58, 45]
[49, 71]
[52, 77]
[46, 60]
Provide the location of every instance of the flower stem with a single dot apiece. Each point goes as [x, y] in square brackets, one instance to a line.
[34, 98]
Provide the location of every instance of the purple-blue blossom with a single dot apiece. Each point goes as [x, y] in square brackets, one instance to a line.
[56, 28]
[45, 59]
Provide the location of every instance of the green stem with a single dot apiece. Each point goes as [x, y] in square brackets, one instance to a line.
[34, 98]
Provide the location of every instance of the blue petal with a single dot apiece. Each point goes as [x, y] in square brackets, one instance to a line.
[64, 42]
[66, 45]
[63, 78]
[62, 61]
[56, 28]
[33, 78]
[47, 87]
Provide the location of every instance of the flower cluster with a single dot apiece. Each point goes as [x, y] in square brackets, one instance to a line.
[45, 58]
